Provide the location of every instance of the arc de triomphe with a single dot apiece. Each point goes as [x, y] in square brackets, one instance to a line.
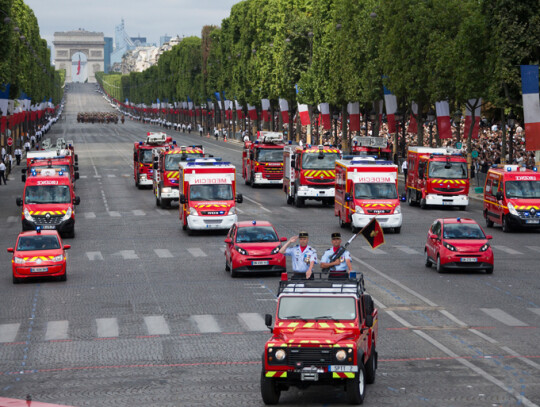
[91, 44]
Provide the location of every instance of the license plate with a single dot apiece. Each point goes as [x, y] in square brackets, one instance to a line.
[532, 221]
[447, 203]
[260, 263]
[48, 227]
[39, 269]
[469, 259]
[338, 368]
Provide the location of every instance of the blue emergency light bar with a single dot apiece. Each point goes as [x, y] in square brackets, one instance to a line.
[377, 162]
[209, 163]
[140, 143]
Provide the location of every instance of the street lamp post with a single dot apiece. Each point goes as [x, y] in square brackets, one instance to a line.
[372, 119]
[457, 122]
[511, 121]
[398, 116]
[430, 120]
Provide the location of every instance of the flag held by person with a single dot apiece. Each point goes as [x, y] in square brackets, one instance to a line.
[373, 233]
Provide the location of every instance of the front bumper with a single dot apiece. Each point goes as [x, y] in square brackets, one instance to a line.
[447, 200]
[260, 180]
[524, 222]
[309, 376]
[468, 266]
[271, 263]
[25, 270]
[174, 194]
[145, 180]
[211, 222]
[62, 227]
[386, 221]
[452, 261]
[316, 193]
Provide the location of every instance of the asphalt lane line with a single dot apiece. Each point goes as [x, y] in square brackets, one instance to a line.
[94, 256]
[503, 317]
[534, 248]
[8, 332]
[89, 215]
[406, 249]
[107, 327]
[257, 203]
[114, 214]
[138, 212]
[377, 252]
[507, 250]
[535, 310]
[206, 323]
[12, 219]
[163, 253]
[196, 252]
[56, 330]
[127, 254]
[156, 325]
[252, 321]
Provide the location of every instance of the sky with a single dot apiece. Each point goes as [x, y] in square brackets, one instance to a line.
[145, 18]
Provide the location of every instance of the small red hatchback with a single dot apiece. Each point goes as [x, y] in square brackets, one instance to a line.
[253, 246]
[39, 253]
[458, 243]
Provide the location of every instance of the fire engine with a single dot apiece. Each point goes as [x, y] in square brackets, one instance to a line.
[142, 157]
[437, 176]
[165, 177]
[325, 333]
[309, 173]
[262, 160]
[208, 198]
[512, 197]
[48, 201]
[371, 146]
[60, 160]
[366, 188]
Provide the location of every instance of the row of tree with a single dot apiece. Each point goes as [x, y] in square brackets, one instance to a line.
[338, 51]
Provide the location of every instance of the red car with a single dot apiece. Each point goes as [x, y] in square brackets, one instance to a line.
[39, 253]
[458, 243]
[253, 246]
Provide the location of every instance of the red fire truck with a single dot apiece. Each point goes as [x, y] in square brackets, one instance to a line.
[371, 146]
[437, 176]
[142, 157]
[309, 173]
[60, 160]
[325, 333]
[262, 160]
[208, 199]
[366, 188]
[48, 201]
[166, 176]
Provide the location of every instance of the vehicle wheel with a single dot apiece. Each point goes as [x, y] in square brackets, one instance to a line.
[356, 388]
[290, 200]
[298, 201]
[165, 203]
[227, 268]
[410, 200]
[251, 183]
[343, 224]
[71, 234]
[489, 222]
[423, 204]
[63, 277]
[440, 267]
[184, 227]
[157, 201]
[489, 270]
[462, 207]
[397, 230]
[16, 280]
[371, 366]
[234, 274]
[270, 392]
[506, 228]
[427, 261]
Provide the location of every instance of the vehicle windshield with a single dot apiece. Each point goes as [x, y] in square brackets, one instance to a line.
[172, 160]
[379, 190]
[305, 307]
[47, 194]
[145, 156]
[311, 161]
[463, 231]
[26, 243]
[522, 189]
[437, 169]
[270, 155]
[218, 192]
[254, 234]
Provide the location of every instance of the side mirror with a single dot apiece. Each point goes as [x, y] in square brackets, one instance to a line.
[420, 174]
[499, 196]
[282, 239]
[293, 164]
[23, 171]
[347, 196]
[77, 200]
[369, 321]
[134, 156]
[76, 168]
[18, 200]
[432, 235]
[76, 157]
[403, 197]
[183, 199]
[239, 198]
[228, 240]
[155, 165]
[23, 177]
[489, 237]
[268, 320]
[76, 175]
[10, 250]
[67, 247]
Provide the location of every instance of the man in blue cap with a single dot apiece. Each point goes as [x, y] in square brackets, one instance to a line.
[304, 257]
[340, 267]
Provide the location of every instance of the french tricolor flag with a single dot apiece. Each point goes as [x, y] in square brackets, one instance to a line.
[324, 108]
[353, 109]
[391, 107]
[413, 124]
[284, 107]
[303, 111]
[252, 111]
[265, 103]
[477, 104]
[531, 106]
[443, 119]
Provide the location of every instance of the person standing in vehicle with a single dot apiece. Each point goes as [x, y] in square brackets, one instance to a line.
[342, 266]
[304, 257]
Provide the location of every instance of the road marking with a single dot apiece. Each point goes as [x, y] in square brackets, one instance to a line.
[138, 212]
[127, 254]
[89, 215]
[288, 209]
[12, 219]
[163, 253]
[378, 252]
[507, 250]
[114, 214]
[257, 203]
[56, 330]
[156, 325]
[407, 250]
[534, 248]
[239, 210]
[111, 175]
[252, 321]
[107, 327]
[503, 317]
[97, 176]
[522, 358]
[94, 256]
[196, 252]
[535, 310]
[163, 212]
[83, 176]
[206, 323]
[8, 332]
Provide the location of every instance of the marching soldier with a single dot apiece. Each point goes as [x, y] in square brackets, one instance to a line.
[340, 267]
[304, 257]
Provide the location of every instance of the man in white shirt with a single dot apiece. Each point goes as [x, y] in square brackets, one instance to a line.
[2, 172]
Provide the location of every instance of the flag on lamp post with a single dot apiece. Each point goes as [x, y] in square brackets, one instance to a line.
[252, 111]
[413, 124]
[303, 111]
[324, 108]
[353, 109]
[265, 104]
[531, 106]
[468, 118]
[390, 101]
[239, 111]
[284, 107]
[443, 119]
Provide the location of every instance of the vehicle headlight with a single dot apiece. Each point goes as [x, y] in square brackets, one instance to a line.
[241, 251]
[341, 355]
[302, 188]
[166, 190]
[67, 214]
[358, 209]
[258, 175]
[60, 257]
[484, 247]
[143, 176]
[27, 215]
[511, 209]
[18, 260]
[276, 250]
[449, 247]
[232, 211]
[397, 209]
[280, 354]
[193, 212]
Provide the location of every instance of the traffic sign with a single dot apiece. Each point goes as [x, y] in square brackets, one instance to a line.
[459, 145]
[474, 154]
[10, 141]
